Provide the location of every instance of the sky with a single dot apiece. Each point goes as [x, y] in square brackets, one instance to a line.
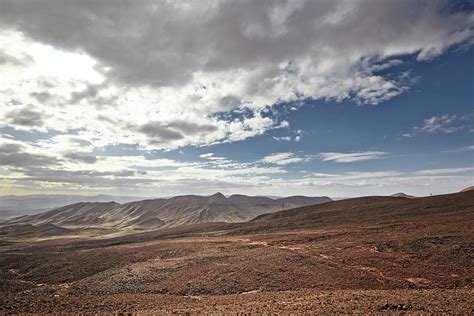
[161, 98]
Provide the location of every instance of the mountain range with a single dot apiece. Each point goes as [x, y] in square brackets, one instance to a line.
[162, 213]
[18, 205]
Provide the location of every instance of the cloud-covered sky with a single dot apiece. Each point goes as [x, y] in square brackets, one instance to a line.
[158, 98]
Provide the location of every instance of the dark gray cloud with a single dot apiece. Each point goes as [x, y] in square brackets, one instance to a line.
[41, 97]
[39, 168]
[178, 38]
[92, 93]
[25, 117]
[190, 128]
[80, 141]
[10, 148]
[81, 157]
[6, 59]
[14, 155]
[88, 93]
[158, 132]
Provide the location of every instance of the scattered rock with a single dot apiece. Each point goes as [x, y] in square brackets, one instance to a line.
[400, 307]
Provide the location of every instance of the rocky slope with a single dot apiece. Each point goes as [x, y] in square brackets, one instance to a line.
[156, 213]
[369, 255]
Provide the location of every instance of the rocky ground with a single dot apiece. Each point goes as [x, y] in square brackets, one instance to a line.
[301, 301]
[406, 258]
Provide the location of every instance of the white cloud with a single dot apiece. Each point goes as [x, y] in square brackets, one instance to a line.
[441, 124]
[85, 102]
[445, 171]
[25, 166]
[445, 124]
[165, 75]
[206, 155]
[352, 157]
[283, 159]
[384, 182]
[166, 63]
[282, 138]
[299, 135]
[28, 168]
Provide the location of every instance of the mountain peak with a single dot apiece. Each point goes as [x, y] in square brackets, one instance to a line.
[403, 195]
[218, 195]
[217, 198]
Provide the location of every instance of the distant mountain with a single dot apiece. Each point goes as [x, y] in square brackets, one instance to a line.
[403, 195]
[157, 213]
[17, 205]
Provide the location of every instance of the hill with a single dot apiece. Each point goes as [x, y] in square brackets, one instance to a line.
[370, 254]
[18, 205]
[471, 188]
[403, 195]
[161, 213]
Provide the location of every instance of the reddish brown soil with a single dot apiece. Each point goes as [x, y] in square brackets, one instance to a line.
[366, 255]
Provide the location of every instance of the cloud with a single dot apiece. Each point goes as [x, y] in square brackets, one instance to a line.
[222, 36]
[10, 148]
[352, 157]
[461, 149]
[157, 133]
[14, 154]
[443, 124]
[81, 157]
[388, 181]
[358, 175]
[208, 155]
[26, 168]
[282, 138]
[445, 171]
[282, 159]
[141, 76]
[25, 118]
[221, 161]
[9, 60]
[41, 97]
[298, 135]
[166, 72]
